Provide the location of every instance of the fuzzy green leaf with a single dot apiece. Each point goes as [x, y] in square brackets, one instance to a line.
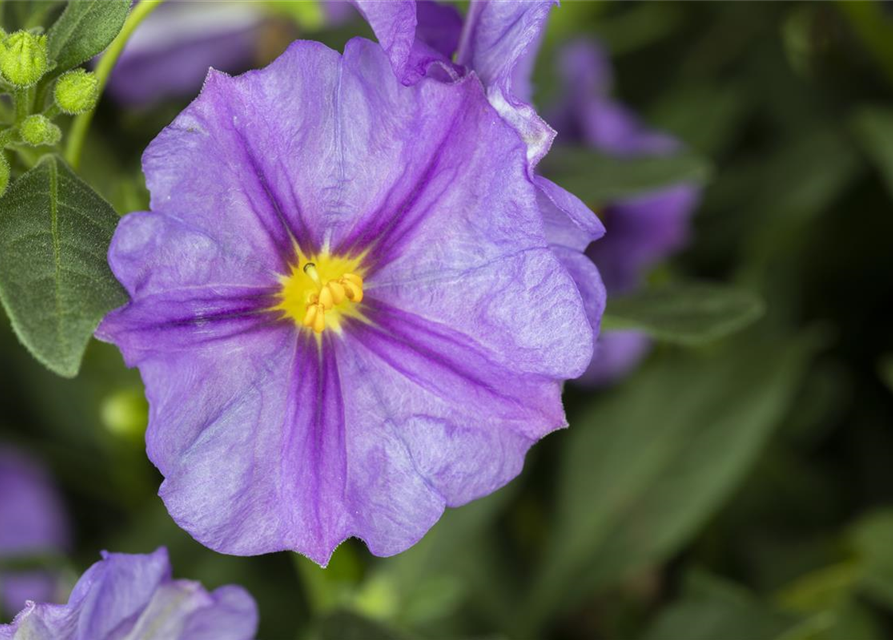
[84, 29]
[55, 283]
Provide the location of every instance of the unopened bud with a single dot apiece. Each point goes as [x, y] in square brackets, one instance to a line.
[37, 130]
[76, 91]
[23, 58]
[126, 413]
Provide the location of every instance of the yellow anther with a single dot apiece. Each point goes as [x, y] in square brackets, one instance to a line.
[352, 290]
[315, 317]
[337, 291]
[310, 316]
[352, 277]
[326, 299]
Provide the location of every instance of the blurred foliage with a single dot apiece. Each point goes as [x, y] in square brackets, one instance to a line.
[741, 489]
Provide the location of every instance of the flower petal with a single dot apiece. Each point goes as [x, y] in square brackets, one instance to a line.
[496, 38]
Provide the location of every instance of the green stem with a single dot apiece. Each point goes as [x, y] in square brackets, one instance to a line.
[52, 111]
[23, 103]
[81, 125]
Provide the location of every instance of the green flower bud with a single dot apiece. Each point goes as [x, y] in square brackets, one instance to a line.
[23, 58]
[125, 413]
[4, 173]
[76, 91]
[37, 130]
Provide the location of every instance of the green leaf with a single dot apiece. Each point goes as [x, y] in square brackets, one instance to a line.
[344, 625]
[597, 178]
[874, 130]
[712, 609]
[55, 283]
[84, 29]
[646, 467]
[886, 370]
[688, 313]
[872, 539]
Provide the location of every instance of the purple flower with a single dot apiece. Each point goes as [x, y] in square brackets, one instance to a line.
[344, 307]
[134, 596]
[641, 231]
[497, 42]
[169, 55]
[32, 524]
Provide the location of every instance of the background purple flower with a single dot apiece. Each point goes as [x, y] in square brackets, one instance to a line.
[171, 51]
[134, 596]
[33, 523]
[425, 395]
[641, 231]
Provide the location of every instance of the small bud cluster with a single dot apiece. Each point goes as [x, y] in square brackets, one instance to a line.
[39, 95]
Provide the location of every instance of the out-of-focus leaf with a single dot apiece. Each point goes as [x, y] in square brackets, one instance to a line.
[872, 539]
[638, 27]
[821, 590]
[827, 600]
[27, 14]
[712, 609]
[705, 116]
[433, 578]
[55, 282]
[84, 29]
[597, 178]
[886, 369]
[874, 129]
[344, 625]
[684, 312]
[332, 587]
[872, 24]
[644, 469]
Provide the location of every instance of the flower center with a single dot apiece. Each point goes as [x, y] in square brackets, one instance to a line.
[320, 291]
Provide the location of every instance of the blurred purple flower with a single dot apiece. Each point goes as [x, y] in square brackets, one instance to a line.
[344, 308]
[134, 596]
[33, 523]
[641, 231]
[170, 53]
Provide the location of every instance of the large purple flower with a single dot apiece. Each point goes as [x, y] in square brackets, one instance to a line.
[344, 307]
[641, 231]
[33, 523]
[134, 596]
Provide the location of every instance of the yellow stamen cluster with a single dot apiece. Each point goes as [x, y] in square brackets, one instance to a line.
[321, 291]
[332, 293]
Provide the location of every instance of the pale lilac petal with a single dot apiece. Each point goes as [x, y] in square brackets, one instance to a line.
[394, 23]
[568, 222]
[233, 615]
[496, 37]
[588, 280]
[134, 596]
[439, 26]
